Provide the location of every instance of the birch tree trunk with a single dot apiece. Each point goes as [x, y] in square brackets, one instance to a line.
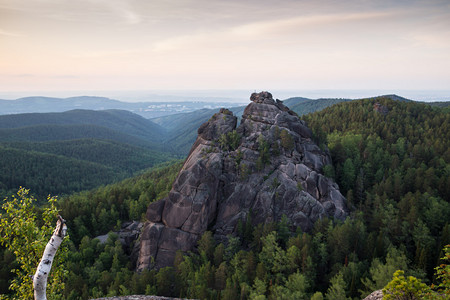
[40, 277]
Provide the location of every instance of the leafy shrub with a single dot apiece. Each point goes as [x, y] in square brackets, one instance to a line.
[401, 288]
[287, 142]
[229, 141]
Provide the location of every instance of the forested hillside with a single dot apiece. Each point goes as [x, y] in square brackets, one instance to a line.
[118, 120]
[120, 156]
[311, 106]
[390, 158]
[61, 153]
[303, 106]
[62, 167]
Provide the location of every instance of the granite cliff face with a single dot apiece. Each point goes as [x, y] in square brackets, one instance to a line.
[267, 167]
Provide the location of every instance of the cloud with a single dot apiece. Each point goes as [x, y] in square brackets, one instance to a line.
[124, 11]
[291, 25]
[430, 40]
[10, 34]
[276, 28]
[25, 75]
[107, 54]
[55, 76]
[91, 11]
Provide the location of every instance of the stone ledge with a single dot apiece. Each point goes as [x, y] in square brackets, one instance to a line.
[377, 295]
[140, 297]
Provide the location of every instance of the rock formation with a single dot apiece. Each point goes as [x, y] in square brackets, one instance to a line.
[267, 167]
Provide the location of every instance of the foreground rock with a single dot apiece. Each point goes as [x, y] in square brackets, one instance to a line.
[377, 295]
[139, 297]
[266, 168]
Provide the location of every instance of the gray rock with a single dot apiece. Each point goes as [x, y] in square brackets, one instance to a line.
[128, 233]
[148, 249]
[155, 210]
[264, 176]
[139, 297]
[377, 295]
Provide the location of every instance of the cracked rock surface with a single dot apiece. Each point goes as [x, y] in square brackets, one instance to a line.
[267, 167]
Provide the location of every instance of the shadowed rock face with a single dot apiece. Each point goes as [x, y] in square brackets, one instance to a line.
[267, 167]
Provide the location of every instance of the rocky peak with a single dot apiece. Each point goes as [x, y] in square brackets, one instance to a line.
[266, 168]
[220, 123]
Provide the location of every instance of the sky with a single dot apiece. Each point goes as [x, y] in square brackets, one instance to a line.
[108, 45]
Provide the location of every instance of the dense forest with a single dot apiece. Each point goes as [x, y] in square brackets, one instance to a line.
[392, 161]
[63, 167]
[62, 153]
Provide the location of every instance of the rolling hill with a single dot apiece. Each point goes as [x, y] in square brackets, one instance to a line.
[303, 106]
[118, 120]
[80, 149]
[122, 157]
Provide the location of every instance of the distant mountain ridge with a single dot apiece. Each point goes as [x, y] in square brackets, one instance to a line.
[119, 121]
[41, 104]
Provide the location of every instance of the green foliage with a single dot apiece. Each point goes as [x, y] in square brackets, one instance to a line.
[381, 273]
[206, 245]
[244, 171]
[328, 171]
[275, 183]
[309, 106]
[394, 168]
[317, 296]
[61, 153]
[258, 291]
[402, 288]
[238, 158]
[336, 291]
[62, 167]
[273, 257]
[287, 142]
[117, 125]
[295, 288]
[443, 273]
[264, 153]
[348, 175]
[229, 141]
[25, 236]
[7, 263]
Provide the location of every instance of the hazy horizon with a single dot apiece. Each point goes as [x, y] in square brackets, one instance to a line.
[234, 96]
[85, 45]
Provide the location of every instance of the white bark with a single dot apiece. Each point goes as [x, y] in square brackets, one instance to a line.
[40, 277]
